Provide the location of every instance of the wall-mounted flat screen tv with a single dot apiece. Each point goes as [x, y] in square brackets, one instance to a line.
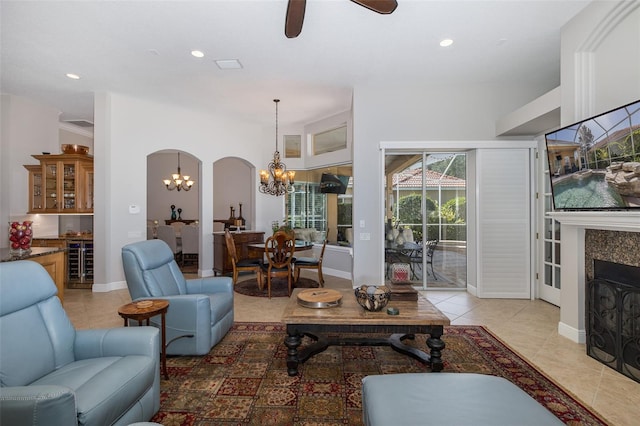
[333, 184]
[595, 164]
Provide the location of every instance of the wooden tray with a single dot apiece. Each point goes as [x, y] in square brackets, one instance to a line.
[319, 298]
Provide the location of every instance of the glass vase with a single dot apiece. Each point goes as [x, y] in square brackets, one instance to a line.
[20, 236]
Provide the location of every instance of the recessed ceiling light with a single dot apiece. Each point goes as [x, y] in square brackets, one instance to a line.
[446, 42]
[228, 64]
[73, 76]
[197, 54]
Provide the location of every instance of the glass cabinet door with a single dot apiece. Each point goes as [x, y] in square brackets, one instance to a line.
[69, 186]
[36, 191]
[61, 184]
[51, 186]
[88, 193]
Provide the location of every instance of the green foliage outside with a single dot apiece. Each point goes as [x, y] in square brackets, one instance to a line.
[345, 212]
[621, 150]
[452, 212]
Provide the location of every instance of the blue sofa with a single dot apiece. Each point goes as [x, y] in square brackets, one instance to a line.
[51, 373]
[449, 399]
[200, 310]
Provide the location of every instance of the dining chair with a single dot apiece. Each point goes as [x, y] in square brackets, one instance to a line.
[311, 263]
[279, 249]
[167, 234]
[244, 265]
[178, 227]
[190, 246]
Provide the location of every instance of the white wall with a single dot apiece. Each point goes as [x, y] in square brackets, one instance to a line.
[128, 129]
[72, 134]
[234, 182]
[600, 59]
[435, 114]
[27, 128]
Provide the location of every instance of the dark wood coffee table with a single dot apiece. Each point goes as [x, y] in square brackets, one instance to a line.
[419, 317]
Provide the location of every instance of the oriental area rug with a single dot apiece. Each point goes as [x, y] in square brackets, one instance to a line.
[279, 287]
[244, 381]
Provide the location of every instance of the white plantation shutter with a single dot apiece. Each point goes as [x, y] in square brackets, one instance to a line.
[504, 223]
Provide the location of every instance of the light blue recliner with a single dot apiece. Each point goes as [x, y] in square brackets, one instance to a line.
[52, 374]
[200, 310]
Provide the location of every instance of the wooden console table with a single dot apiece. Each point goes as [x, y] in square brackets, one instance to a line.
[185, 221]
[419, 317]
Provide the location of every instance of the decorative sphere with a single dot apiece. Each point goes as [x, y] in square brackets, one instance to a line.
[373, 298]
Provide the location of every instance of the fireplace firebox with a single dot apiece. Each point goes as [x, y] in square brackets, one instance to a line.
[613, 317]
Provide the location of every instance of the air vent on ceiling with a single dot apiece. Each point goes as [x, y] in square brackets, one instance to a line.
[80, 123]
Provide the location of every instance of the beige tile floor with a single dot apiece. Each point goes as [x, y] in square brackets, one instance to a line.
[528, 327]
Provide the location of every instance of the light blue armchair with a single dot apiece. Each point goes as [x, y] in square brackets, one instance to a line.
[200, 310]
[51, 373]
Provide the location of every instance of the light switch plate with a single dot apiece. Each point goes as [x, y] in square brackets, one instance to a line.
[365, 236]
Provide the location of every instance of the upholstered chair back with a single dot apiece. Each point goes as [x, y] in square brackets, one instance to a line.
[151, 270]
[37, 336]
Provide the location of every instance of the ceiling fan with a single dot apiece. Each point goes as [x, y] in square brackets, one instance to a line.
[295, 13]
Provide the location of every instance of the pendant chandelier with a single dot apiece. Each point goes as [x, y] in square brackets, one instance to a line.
[276, 180]
[178, 181]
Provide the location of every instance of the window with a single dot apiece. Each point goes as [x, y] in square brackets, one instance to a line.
[293, 146]
[307, 207]
[330, 141]
[310, 207]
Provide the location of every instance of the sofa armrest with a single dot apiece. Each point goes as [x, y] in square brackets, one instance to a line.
[210, 285]
[120, 341]
[31, 405]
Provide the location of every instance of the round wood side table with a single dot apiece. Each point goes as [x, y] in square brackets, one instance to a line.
[143, 310]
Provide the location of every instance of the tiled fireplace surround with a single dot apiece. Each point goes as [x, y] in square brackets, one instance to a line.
[610, 236]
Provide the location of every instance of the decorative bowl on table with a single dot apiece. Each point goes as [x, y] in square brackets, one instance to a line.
[75, 149]
[373, 298]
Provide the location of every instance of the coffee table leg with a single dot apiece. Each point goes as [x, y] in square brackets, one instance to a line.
[435, 343]
[292, 341]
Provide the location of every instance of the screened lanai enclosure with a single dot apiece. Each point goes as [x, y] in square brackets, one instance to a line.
[426, 219]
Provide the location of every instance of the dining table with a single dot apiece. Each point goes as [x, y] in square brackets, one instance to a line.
[256, 250]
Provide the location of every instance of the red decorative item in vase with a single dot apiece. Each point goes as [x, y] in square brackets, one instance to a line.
[400, 272]
[20, 236]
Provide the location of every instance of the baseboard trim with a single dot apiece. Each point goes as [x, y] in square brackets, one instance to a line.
[104, 288]
[336, 273]
[571, 333]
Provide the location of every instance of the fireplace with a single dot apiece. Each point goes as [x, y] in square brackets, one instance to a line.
[577, 251]
[613, 317]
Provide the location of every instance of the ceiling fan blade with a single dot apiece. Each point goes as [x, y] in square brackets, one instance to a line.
[295, 18]
[381, 6]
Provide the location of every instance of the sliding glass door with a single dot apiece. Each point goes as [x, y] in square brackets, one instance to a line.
[426, 226]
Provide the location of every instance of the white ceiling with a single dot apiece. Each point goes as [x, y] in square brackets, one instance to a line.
[142, 48]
